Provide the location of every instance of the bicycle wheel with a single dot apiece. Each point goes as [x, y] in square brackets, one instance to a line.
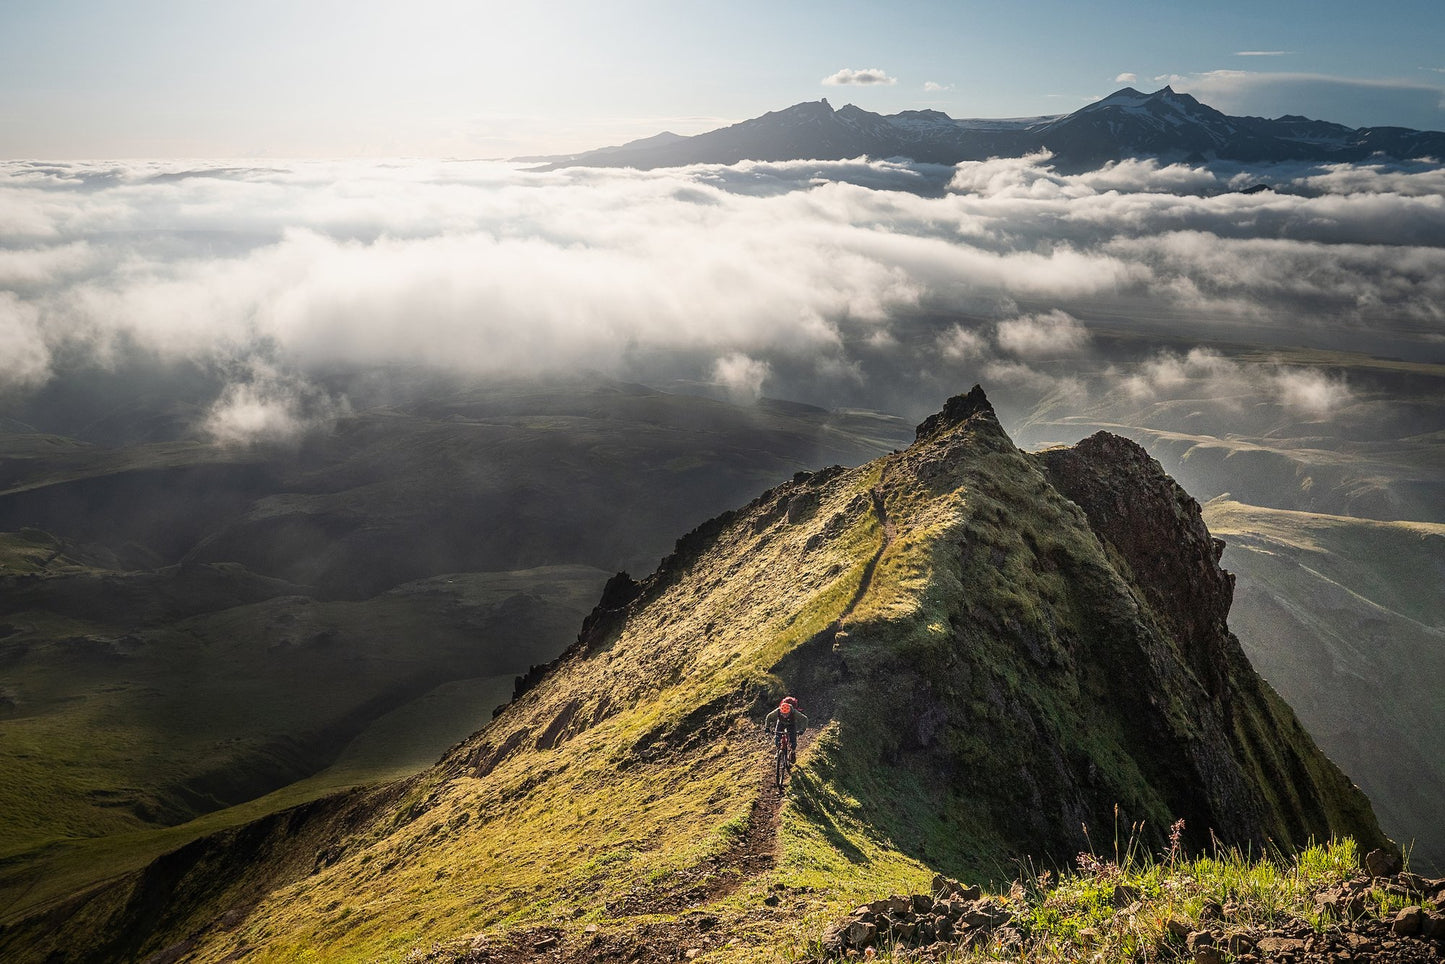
[781, 766]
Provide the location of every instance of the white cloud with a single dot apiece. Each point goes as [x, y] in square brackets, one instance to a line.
[1311, 391]
[962, 344]
[868, 75]
[263, 405]
[932, 86]
[842, 277]
[1209, 377]
[1127, 78]
[1052, 334]
[741, 376]
[22, 345]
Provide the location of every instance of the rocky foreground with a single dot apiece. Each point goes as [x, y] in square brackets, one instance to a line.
[1376, 913]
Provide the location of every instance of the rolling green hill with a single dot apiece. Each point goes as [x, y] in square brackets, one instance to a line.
[998, 652]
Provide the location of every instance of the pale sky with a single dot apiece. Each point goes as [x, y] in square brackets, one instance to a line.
[163, 78]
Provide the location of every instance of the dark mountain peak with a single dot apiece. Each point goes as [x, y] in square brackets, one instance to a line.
[956, 411]
[1128, 98]
[1168, 95]
[1122, 95]
[928, 114]
[1127, 123]
[808, 110]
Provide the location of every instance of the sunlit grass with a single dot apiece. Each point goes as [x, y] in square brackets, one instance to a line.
[1107, 912]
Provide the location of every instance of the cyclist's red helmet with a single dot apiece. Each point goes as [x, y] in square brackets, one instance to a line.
[791, 700]
[785, 707]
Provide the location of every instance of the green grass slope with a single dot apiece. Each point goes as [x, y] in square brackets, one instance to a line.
[135, 717]
[1346, 618]
[988, 668]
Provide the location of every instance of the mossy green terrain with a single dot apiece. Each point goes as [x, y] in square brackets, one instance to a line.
[1127, 905]
[988, 670]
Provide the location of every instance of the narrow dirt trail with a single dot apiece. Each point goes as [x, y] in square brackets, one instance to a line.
[890, 532]
[687, 893]
[755, 849]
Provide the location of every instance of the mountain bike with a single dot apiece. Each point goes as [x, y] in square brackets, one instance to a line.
[781, 763]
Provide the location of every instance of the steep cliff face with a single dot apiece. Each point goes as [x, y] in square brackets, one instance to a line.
[1274, 781]
[997, 651]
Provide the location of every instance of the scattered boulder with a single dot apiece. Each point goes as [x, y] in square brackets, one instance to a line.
[861, 934]
[944, 887]
[1124, 895]
[1345, 902]
[951, 917]
[943, 925]
[1275, 946]
[1407, 922]
[1383, 863]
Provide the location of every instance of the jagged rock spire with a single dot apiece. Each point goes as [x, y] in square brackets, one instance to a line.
[958, 409]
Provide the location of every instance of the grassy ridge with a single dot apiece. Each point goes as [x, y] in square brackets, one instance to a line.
[983, 676]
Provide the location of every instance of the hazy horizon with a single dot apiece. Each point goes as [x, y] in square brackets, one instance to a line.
[155, 79]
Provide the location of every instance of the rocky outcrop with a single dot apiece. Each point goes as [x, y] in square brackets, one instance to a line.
[1346, 923]
[940, 924]
[1154, 534]
[1156, 530]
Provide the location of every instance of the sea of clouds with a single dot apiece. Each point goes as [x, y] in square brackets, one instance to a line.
[861, 282]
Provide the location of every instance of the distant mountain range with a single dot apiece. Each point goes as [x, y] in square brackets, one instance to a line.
[1165, 124]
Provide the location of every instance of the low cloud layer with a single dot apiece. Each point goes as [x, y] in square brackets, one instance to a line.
[852, 282]
[1204, 373]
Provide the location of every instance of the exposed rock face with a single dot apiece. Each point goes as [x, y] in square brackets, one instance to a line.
[1155, 535]
[1156, 527]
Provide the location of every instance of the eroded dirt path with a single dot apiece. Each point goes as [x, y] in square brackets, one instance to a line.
[753, 852]
[684, 895]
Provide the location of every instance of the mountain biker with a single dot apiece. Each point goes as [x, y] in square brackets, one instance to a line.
[787, 718]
